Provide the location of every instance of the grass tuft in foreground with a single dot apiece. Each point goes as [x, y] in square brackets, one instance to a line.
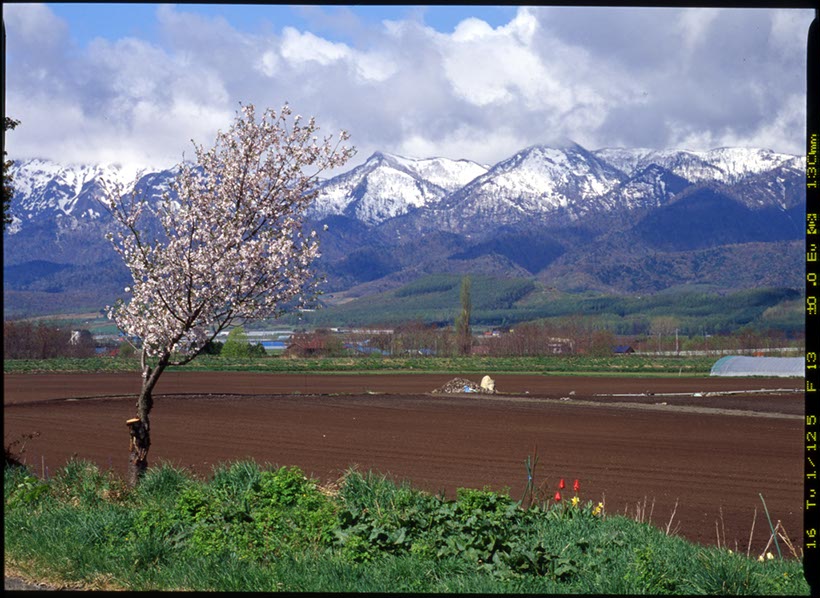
[273, 529]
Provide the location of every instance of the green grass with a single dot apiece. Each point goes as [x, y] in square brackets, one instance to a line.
[553, 364]
[252, 528]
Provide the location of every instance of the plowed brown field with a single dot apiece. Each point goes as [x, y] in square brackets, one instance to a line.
[626, 439]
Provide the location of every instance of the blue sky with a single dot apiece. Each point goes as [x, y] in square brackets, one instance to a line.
[135, 83]
[113, 20]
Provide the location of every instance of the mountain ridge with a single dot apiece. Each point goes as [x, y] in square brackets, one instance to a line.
[564, 213]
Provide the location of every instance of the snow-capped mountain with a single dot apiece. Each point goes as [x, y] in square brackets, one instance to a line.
[725, 165]
[448, 174]
[649, 187]
[71, 190]
[565, 182]
[386, 186]
[546, 210]
[537, 181]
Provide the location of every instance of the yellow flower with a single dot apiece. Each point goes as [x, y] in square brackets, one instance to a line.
[575, 500]
[597, 510]
[769, 556]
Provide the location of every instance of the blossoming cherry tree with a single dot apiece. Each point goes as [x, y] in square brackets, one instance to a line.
[224, 245]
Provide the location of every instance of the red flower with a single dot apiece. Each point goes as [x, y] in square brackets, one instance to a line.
[576, 486]
[557, 496]
[561, 484]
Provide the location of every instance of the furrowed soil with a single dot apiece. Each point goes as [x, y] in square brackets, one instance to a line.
[711, 445]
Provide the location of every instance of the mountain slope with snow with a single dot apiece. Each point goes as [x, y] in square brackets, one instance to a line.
[536, 182]
[46, 187]
[725, 165]
[547, 208]
[386, 186]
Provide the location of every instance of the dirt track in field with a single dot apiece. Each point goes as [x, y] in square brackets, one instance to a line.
[624, 438]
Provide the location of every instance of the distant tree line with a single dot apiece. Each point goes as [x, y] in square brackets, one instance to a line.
[27, 340]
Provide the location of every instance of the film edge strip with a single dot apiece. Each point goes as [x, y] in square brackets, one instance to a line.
[811, 555]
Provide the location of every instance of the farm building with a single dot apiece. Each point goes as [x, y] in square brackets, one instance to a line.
[306, 346]
[741, 365]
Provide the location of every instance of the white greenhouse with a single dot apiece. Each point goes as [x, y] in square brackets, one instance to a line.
[741, 365]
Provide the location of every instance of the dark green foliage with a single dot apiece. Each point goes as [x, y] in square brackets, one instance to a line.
[432, 299]
[568, 364]
[252, 513]
[22, 489]
[213, 348]
[654, 574]
[377, 517]
[437, 283]
[507, 301]
[256, 350]
[487, 530]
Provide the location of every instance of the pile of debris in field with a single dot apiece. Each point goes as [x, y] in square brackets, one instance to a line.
[462, 385]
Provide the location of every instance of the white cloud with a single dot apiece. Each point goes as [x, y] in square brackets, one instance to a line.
[302, 48]
[268, 63]
[374, 67]
[484, 147]
[603, 77]
[789, 31]
[694, 28]
[471, 29]
[305, 47]
[777, 132]
[36, 22]
[487, 66]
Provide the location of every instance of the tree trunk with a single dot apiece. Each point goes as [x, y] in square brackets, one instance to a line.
[140, 427]
[138, 450]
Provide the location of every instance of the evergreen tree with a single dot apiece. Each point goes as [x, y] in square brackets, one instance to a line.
[463, 332]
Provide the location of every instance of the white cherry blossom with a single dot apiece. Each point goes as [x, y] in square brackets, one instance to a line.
[225, 245]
